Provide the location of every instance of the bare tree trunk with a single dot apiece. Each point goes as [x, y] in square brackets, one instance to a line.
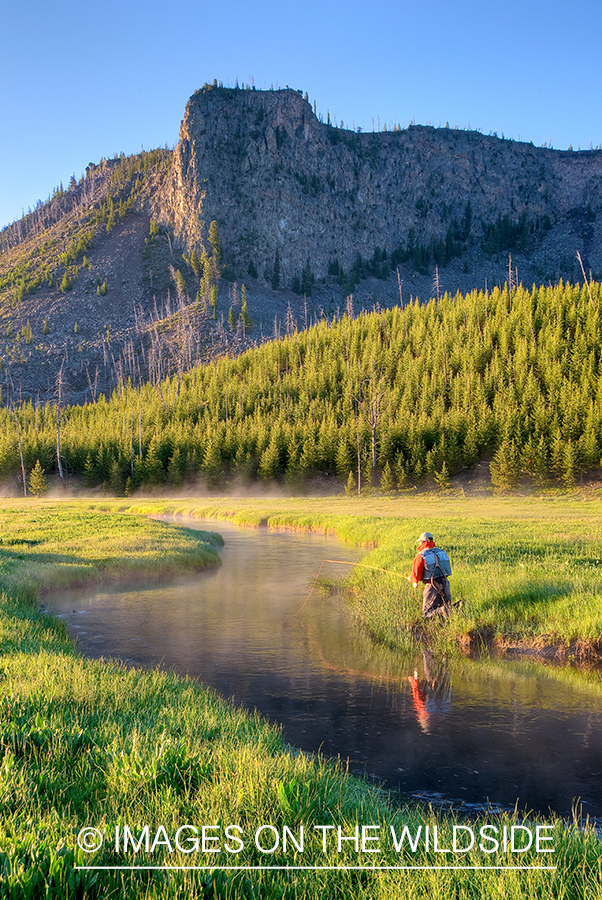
[21, 453]
[59, 383]
[444, 358]
[359, 454]
[591, 299]
[132, 450]
[375, 397]
[58, 440]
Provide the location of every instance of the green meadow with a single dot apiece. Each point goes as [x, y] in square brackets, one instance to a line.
[171, 775]
[524, 569]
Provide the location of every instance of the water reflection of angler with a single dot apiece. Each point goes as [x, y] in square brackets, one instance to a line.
[431, 695]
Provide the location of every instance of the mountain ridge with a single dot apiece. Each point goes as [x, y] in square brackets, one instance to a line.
[102, 284]
[275, 177]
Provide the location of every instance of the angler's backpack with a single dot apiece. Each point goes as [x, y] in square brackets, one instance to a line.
[436, 563]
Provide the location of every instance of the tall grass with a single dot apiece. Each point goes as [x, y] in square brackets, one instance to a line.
[93, 743]
[526, 568]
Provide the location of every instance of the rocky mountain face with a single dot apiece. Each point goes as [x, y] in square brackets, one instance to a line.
[101, 285]
[278, 180]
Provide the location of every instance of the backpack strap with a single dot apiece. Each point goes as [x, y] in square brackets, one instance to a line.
[435, 567]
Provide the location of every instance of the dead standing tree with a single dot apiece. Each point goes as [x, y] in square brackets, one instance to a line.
[16, 415]
[437, 283]
[368, 405]
[375, 393]
[60, 386]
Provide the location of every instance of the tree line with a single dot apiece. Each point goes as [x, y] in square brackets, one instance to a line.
[510, 376]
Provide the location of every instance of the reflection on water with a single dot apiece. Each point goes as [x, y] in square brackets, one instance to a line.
[431, 695]
[501, 734]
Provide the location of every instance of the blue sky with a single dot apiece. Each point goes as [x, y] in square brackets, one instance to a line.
[78, 82]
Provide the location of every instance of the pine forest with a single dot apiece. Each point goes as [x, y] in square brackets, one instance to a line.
[387, 399]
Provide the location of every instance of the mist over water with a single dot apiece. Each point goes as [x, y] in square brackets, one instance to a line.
[468, 733]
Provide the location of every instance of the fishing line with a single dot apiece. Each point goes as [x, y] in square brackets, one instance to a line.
[346, 562]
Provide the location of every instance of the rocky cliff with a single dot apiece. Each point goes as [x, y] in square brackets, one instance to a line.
[93, 291]
[276, 179]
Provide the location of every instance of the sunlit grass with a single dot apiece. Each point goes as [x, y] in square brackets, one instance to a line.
[92, 743]
[525, 567]
[47, 545]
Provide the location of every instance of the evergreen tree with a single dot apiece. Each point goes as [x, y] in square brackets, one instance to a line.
[153, 467]
[116, 479]
[401, 471]
[505, 467]
[307, 279]
[344, 457]
[196, 263]
[37, 480]
[350, 486]
[245, 318]
[294, 473]
[442, 477]
[387, 481]
[215, 242]
[175, 475]
[269, 464]
[212, 467]
[180, 283]
[570, 464]
[466, 223]
[89, 473]
[207, 278]
[110, 211]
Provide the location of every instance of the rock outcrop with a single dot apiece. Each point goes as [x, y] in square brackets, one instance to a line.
[275, 178]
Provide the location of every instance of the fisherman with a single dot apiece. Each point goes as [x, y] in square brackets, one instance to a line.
[431, 566]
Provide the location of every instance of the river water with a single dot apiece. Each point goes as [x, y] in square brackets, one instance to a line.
[472, 733]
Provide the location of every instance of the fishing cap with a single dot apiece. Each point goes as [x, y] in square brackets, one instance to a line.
[425, 536]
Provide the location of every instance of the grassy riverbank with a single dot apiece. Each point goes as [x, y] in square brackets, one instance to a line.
[526, 570]
[95, 744]
[46, 545]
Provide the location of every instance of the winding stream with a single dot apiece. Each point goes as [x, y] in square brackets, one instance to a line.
[471, 733]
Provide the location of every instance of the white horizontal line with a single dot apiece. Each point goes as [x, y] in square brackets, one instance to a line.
[313, 868]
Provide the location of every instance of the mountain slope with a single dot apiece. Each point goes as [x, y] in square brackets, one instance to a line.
[513, 379]
[116, 277]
